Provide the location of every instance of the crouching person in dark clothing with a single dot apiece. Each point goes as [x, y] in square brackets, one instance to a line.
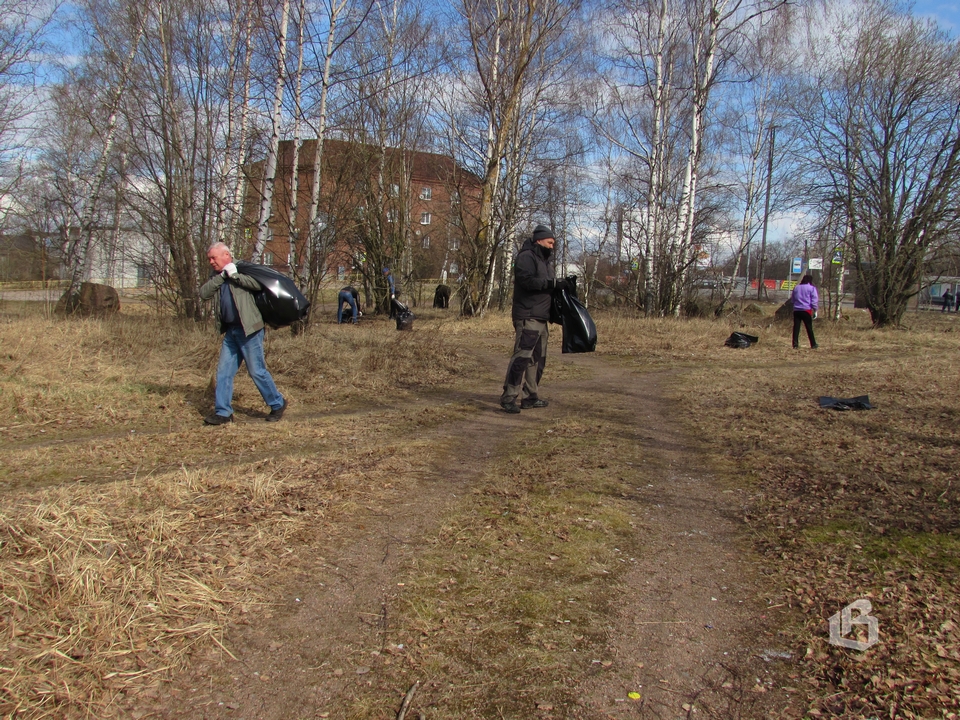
[441, 297]
[350, 297]
[533, 286]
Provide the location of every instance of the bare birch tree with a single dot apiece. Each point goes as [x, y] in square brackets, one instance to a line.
[669, 56]
[388, 115]
[23, 29]
[510, 46]
[76, 257]
[880, 111]
[276, 119]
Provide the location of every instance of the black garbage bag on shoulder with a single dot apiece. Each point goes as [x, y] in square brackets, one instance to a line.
[404, 315]
[579, 330]
[741, 340]
[279, 299]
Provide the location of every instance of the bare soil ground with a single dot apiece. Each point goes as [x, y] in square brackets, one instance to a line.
[666, 540]
[684, 631]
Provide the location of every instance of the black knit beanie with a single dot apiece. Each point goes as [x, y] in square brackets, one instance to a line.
[541, 232]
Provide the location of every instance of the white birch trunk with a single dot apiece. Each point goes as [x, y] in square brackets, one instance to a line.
[702, 84]
[292, 232]
[655, 200]
[239, 189]
[270, 165]
[228, 163]
[77, 252]
[313, 212]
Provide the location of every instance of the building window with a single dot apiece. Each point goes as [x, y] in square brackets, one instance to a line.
[425, 218]
[426, 241]
[454, 244]
[426, 193]
[394, 190]
[268, 259]
[391, 215]
[144, 274]
[454, 269]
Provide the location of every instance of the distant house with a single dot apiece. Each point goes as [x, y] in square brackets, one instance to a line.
[426, 198]
[123, 258]
[29, 257]
[120, 257]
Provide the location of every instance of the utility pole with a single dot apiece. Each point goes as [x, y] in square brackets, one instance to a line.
[766, 213]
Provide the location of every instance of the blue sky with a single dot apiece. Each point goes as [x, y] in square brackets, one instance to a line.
[946, 13]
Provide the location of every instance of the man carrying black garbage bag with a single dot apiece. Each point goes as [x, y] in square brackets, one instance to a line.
[533, 285]
[241, 324]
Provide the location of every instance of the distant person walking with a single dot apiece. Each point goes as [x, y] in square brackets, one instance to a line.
[350, 297]
[947, 300]
[957, 309]
[533, 286]
[805, 301]
[392, 287]
[239, 319]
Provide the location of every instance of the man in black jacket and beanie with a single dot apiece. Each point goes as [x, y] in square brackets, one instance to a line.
[533, 286]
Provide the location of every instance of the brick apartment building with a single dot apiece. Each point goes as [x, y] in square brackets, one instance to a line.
[424, 203]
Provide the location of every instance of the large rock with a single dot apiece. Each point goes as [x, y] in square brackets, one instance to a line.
[785, 311]
[89, 300]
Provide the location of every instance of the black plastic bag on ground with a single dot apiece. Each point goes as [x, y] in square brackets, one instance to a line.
[861, 402]
[579, 330]
[279, 300]
[741, 340]
[404, 315]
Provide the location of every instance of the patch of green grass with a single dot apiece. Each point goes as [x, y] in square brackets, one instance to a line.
[520, 578]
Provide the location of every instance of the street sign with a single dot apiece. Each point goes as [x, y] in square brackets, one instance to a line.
[815, 264]
[797, 265]
[837, 257]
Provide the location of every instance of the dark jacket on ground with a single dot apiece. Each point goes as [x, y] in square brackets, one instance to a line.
[531, 278]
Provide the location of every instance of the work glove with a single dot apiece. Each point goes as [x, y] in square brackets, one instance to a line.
[229, 270]
[814, 314]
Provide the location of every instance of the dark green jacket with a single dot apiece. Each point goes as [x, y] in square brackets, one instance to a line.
[242, 288]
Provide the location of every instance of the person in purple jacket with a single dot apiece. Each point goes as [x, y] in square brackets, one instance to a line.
[805, 303]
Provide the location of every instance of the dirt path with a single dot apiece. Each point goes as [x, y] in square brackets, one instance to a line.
[687, 635]
[691, 636]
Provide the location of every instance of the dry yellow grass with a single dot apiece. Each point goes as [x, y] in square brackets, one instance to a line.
[129, 535]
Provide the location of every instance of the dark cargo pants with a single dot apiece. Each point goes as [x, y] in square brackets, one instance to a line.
[528, 360]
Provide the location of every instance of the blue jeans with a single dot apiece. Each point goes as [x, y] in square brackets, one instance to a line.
[236, 347]
[346, 297]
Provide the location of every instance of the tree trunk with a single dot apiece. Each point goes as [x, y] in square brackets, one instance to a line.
[270, 165]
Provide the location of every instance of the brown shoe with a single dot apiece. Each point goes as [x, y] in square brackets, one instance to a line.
[275, 415]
